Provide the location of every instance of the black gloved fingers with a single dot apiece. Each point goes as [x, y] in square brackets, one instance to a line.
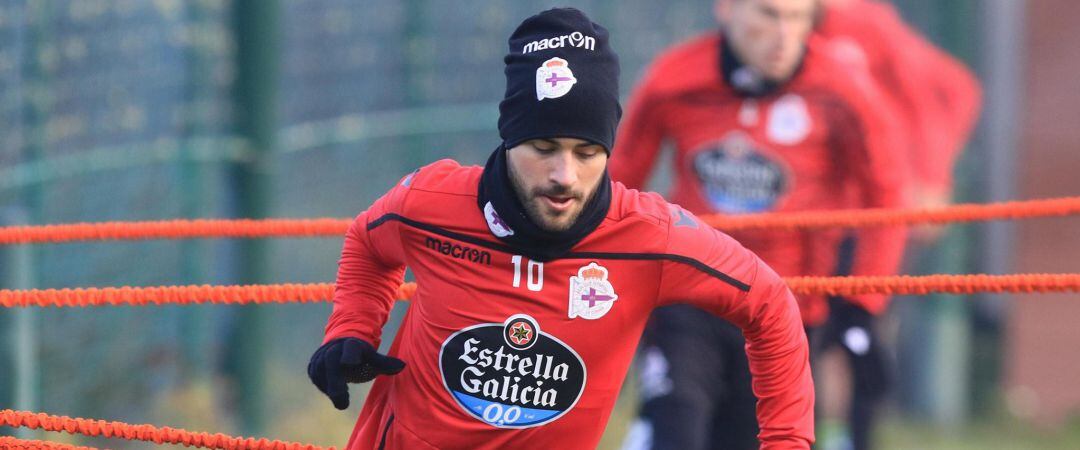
[336, 388]
[386, 365]
[316, 369]
[348, 360]
[362, 362]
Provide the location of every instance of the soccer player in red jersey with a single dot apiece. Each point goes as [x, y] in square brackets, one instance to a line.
[536, 276]
[761, 118]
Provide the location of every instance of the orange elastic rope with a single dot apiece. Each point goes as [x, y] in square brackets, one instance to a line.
[148, 433]
[319, 292]
[168, 295]
[249, 228]
[922, 285]
[854, 218]
[173, 229]
[10, 443]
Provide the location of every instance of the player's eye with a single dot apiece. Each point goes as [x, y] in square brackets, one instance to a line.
[588, 152]
[543, 149]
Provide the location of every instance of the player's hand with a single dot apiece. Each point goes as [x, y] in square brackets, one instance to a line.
[348, 360]
[926, 198]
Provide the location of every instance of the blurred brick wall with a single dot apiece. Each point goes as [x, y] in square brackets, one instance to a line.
[1043, 363]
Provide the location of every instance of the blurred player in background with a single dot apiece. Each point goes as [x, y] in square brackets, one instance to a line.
[762, 118]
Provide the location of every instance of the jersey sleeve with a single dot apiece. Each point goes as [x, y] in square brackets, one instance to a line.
[639, 137]
[715, 273]
[371, 268]
[868, 139]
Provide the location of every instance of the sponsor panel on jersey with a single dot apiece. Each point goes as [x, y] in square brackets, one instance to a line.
[736, 177]
[511, 374]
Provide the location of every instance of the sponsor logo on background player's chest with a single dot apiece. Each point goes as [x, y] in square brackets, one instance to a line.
[591, 294]
[511, 374]
[737, 177]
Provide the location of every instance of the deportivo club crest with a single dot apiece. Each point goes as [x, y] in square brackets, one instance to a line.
[554, 79]
[591, 294]
[789, 120]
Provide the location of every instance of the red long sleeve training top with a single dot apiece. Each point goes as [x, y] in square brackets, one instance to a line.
[505, 352]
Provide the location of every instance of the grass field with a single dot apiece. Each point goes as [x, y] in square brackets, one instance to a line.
[999, 433]
[898, 434]
[306, 416]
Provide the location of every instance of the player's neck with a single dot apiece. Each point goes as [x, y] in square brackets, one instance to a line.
[745, 79]
[508, 220]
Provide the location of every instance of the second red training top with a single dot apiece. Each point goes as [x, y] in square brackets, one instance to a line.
[822, 141]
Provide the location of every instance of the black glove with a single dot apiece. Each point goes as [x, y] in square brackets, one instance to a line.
[348, 360]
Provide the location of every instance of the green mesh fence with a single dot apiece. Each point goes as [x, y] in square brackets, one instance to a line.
[123, 110]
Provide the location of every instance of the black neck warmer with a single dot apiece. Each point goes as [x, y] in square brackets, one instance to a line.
[528, 238]
[746, 80]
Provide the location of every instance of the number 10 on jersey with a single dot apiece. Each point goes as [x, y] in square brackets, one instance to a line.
[535, 274]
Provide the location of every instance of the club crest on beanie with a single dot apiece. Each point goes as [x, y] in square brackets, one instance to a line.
[554, 79]
[562, 80]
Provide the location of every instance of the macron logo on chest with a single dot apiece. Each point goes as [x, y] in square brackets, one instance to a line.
[575, 39]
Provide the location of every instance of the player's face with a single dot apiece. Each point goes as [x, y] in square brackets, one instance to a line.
[768, 35]
[555, 178]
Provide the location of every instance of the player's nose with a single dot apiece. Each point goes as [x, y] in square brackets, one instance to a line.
[563, 170]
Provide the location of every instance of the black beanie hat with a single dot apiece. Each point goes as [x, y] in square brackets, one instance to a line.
[562, 80]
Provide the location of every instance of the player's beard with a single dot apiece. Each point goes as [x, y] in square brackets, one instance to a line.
[535, 207]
